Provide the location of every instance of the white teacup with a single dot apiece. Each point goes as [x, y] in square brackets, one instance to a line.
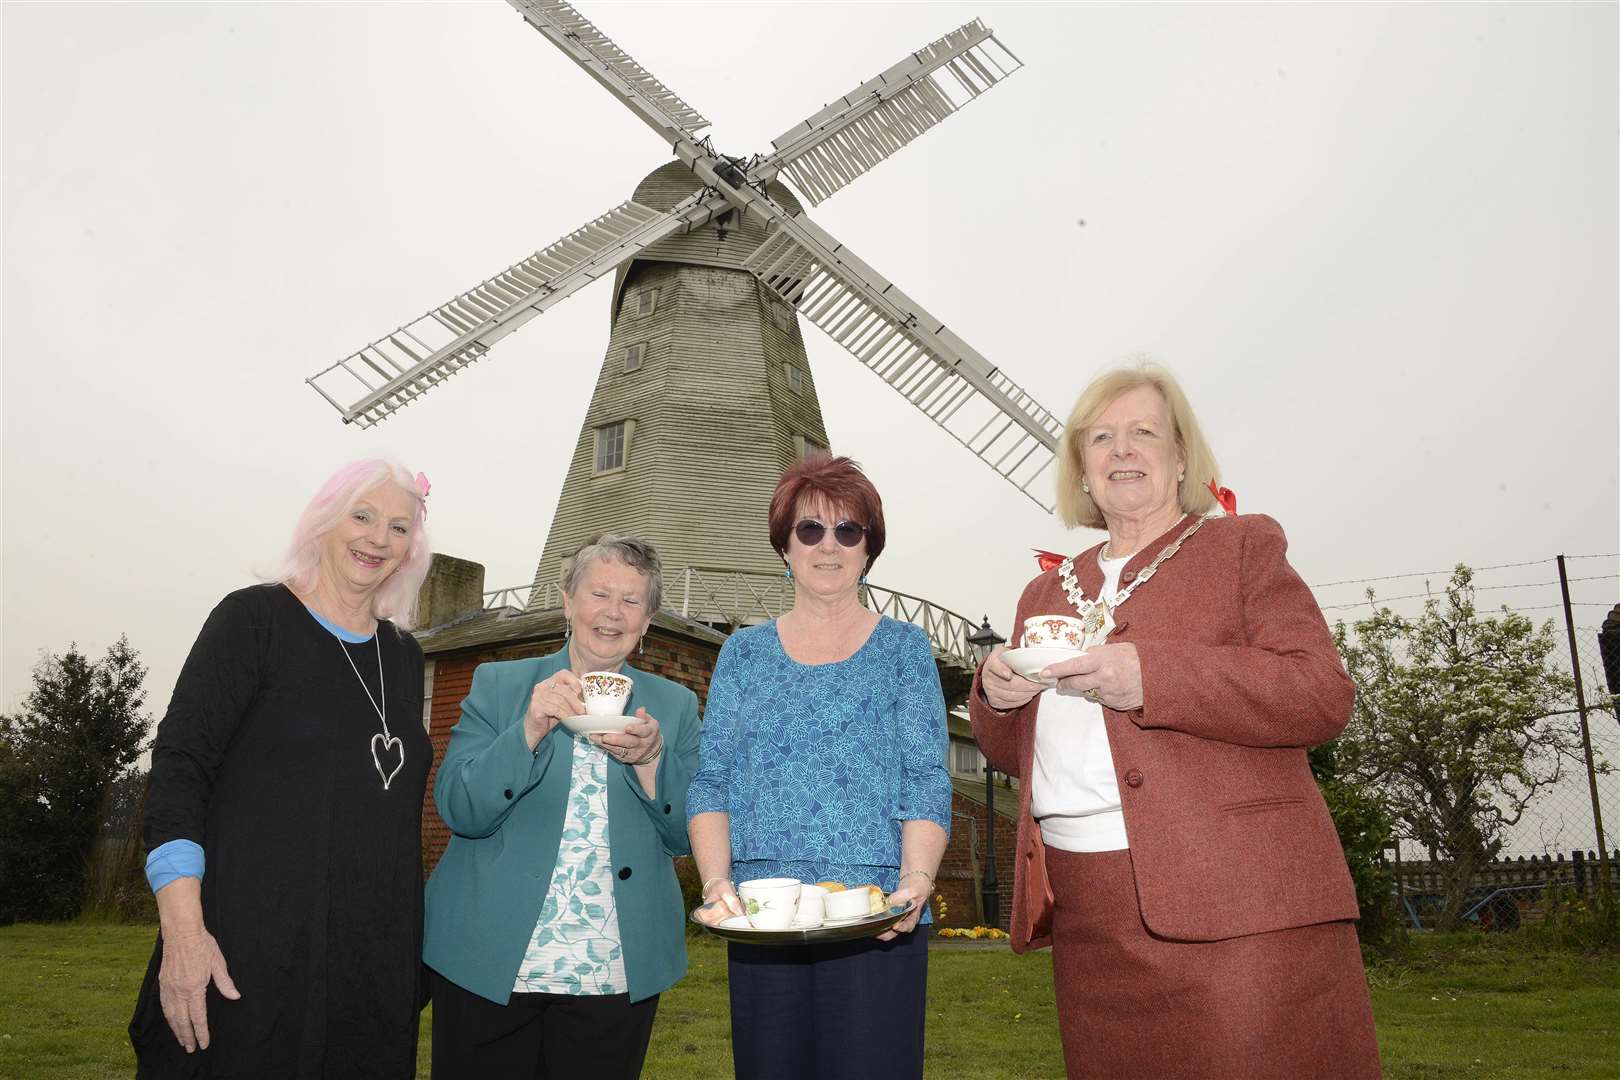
[770, 903]
[1060, 631]
[605, 692]
[812, 907]
[849, 904]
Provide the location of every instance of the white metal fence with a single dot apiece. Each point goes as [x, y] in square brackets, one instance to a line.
[733, 598]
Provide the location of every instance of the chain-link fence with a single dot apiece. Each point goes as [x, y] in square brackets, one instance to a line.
[1553, 853]
[1496, 820]
[1549, 857]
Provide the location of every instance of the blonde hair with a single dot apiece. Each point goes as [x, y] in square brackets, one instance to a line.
[1074, 506]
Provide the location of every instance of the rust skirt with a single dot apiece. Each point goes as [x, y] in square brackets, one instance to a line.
[1286, 1005]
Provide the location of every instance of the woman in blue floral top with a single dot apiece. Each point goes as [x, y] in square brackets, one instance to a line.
[823, 758]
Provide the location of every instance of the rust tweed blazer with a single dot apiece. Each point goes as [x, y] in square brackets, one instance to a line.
[1229, 835]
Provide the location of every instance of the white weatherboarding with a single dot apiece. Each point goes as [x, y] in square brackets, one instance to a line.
[890, 333]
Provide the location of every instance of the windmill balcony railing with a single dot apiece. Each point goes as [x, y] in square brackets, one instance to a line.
[734, 598]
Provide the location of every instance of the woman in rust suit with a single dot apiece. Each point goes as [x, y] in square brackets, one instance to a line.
[1172, 846]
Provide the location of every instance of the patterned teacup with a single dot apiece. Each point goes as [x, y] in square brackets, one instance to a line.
[770, 903]
[1048, 631]
[605, 692]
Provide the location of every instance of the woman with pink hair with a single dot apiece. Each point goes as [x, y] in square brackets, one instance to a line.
[292, 761]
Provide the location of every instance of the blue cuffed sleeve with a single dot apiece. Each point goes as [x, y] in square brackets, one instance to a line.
[175, 859]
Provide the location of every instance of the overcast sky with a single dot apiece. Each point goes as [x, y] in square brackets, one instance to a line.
[1377, 243]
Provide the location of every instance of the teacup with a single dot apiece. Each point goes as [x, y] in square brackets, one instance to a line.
[605, 692]
[770, 903]
[849, 904]
[812, 907]
[1061, 631]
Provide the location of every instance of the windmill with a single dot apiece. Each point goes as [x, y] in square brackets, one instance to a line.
[704, 391]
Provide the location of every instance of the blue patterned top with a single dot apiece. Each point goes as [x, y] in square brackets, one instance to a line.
[818, 764]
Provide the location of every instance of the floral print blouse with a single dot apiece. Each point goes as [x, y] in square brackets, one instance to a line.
[575, 948]
[818, 764]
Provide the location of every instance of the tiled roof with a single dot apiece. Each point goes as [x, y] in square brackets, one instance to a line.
[509, 626]
[973, 791]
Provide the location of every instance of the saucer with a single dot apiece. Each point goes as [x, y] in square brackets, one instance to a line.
[595, 724]
[1029, 661]
[737, 928]
[852, 919]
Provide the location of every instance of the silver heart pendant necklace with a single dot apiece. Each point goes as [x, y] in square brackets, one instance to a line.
[387, 741]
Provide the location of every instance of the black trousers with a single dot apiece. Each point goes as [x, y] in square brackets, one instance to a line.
[852, 1010]
[538, 1036]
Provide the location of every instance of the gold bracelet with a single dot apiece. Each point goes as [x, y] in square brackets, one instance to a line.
[704, 891]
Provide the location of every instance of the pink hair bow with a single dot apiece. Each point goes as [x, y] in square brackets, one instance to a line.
[423, 487]
[1225, 496]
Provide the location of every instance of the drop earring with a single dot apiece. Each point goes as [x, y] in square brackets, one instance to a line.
[1085, 487]
[787, 573]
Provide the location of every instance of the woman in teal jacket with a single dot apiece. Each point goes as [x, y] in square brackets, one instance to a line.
[554, 919]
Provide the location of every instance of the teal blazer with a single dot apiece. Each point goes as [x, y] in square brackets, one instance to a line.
[505, 808]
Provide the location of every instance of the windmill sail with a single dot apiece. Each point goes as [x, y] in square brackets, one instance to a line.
[861, 129]
[585, 45]
[886, 330]
[938, 372]
[391, 372]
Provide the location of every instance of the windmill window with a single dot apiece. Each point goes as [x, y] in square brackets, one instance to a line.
[632, 356]
[612, 446]
[795, 378]
[803, 446]
[967, 759]
[781, 314]
[646, 301]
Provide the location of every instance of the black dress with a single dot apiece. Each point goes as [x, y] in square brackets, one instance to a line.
[313, 886]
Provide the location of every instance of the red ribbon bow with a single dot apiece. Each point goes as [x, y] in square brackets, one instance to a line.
[1046, 560]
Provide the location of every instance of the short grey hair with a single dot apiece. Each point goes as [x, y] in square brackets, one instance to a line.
[634, 552]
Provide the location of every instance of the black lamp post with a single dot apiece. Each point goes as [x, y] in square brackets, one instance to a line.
[983, 640]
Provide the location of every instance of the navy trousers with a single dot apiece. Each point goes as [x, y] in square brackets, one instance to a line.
[853, 1009]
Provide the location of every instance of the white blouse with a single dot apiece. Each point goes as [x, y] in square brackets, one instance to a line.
[1074, 794]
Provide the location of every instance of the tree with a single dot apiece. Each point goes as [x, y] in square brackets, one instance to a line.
[80, 732]
[1460, 721]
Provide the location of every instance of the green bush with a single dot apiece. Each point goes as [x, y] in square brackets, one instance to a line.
[1571, 921]
[1364, 831]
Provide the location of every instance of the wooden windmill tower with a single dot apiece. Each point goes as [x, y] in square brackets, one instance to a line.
[704, 395]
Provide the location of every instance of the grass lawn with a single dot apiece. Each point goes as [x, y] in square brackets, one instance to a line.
[1487, 1008]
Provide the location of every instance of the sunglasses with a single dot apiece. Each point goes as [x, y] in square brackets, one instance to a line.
[847, 533]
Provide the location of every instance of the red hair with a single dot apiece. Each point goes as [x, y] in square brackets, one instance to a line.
[840, 482]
